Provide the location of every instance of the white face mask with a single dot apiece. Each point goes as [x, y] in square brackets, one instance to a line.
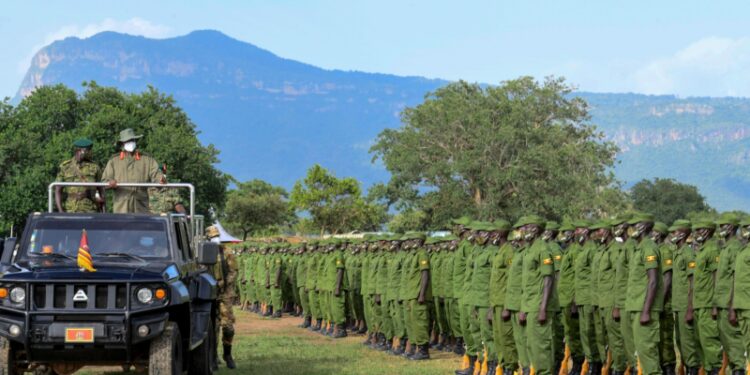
[129, 146]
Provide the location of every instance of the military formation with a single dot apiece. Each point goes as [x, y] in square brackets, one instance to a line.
[614, 296]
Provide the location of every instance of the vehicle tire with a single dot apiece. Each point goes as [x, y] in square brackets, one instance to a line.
[165, 354]
[8, 358]
[201, 358]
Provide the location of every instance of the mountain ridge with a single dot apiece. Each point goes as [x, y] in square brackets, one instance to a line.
[273, 117]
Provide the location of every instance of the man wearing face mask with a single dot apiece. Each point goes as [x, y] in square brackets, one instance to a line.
[739, 310]
[683, 263]
[574, 235]
[502, 330]
[80, 168]
[666, 320]
[131, 166]
[607, 284]
[478, 291]
[458, 319]
[602, 235]
[514, 299]
[584, 299]
[700, 311]
[730, 333]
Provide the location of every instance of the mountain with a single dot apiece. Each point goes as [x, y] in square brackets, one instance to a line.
[273, 117]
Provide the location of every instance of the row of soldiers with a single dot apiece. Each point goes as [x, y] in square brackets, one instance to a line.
[616, 294]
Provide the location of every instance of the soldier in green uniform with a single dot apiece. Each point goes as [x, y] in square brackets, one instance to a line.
[393, 300]
[338, 288]
[418, 295]
[276, 271]
[130, 166]
[382, 294]
[601, 236]
[739, 309]
[470, 249]
[514, 298]
[445, 277]
[301, 284]
[354, 278]
[683, 264]
[370, 243]
[79, 168]
[478, 292]
[502, 330]
[704, 276]
[645, 294]
[572, 236]
[606, 285]
[666, 320]
[620, 314]
[458, 320]
[730, 335]
[440, 326]
[311, 286]
[584, 299]
[225, 272]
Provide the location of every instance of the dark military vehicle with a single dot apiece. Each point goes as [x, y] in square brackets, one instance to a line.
[150, 303]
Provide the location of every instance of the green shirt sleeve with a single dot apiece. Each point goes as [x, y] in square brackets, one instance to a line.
[650, 257]
[546, 262]
[424, 260]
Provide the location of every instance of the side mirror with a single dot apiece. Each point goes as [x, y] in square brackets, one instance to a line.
[9, 245]
[207, 253]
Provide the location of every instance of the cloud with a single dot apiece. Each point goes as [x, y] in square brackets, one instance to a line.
[134, 26]
[711, 66]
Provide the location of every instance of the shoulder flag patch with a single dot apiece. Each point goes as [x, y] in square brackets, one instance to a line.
[717, 259]
[558, 257]
[424, 262]
[651, 258]
[691, 265]
[668, 262]
[547, 261]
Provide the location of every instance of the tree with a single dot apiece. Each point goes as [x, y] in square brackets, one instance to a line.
[37, 134]
[408, 220]
[667, 199]
[499, 152]
[335, 205]
[257, 206]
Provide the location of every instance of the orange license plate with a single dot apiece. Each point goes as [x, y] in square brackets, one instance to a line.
[79, 335]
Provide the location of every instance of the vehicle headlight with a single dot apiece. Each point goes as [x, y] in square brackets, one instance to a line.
[145, 296]
[18, 295]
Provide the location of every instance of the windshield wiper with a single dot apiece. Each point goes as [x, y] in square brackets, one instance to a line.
[51, 255]
[120, 255]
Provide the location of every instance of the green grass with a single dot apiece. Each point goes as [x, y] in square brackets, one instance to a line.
[264, 346]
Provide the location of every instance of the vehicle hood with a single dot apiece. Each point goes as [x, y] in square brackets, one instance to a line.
[103, 272]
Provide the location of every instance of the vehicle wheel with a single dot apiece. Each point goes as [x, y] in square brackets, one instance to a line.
[202, 357]
[165, 354]
[8, 358]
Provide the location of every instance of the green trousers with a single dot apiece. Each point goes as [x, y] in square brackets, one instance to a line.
[338, 307]
[303, 300]
[586, 323]
[441, 318]
[731, 341]
[313, 300]
[367, 302]
[688, 342]
[572, 332]
[743, 316]
[708, 336]
[600, 330]
[519, 337]
[502, 332]
[454, 316]
[626, 326]
[386, 322]
[276, 298]
[375, 309]
[646, 339]
[472, 346]
[540, 344]
[418, 322]
[666, 339]
[615, 342]
[396, 311]
[482, 331]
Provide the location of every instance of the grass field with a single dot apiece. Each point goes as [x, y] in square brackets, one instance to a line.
[270, 347]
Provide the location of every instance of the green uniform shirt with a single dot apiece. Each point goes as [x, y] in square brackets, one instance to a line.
[725, 272]
[622, 271]
[645, 257]
[584, 269]
[312, 271]
[403, 290]
[683, 263]
[436, 262]
[126, 168]
[320, 272]
[706, 264]
[354, 271]
[459, 267]
[567, 279]
[372, 274]
[393, 275]
[514, 287]
[365, 273]
[381, 268]
[445, 275]
[742, 280]
[473, 252]
[501, 262]
[414, 266]
[595, 260]
[538, 263]
[300, 274]
[79, 199]
[277, 264]
[666, 251]
[478, 294]
[605, 274]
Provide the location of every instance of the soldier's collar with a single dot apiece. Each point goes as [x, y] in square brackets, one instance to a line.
[137, 155]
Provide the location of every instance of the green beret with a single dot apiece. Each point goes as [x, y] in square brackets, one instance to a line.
[600, 225]
[728, 218]
[680, 224]
[660, 227]
[463, 220]
[566, 226]
[501, 225]
[704, 223]
[83, 143]
[530, 219]
[552, 225]
[641, 218]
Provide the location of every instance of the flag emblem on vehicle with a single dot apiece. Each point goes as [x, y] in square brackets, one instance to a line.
[84, 256]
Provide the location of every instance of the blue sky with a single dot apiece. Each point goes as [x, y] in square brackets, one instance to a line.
[687, 48]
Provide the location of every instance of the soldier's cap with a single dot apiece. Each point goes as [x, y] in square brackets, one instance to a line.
[601, 224]
[621, 218]
[369, 237]
[83, 143]
[413, 236]
[641, 217]
[745, 221]
[660, 227]
[552, 225]
[463, 220]
[704, 223]
[501, 225]
[530, 219]
[212, 231]
[680, 224]
[581, 223]
[432, 240]
[481, 225]
[450, 237]
[128, 135]
[566, 226]
[393, 237]
[728, 218]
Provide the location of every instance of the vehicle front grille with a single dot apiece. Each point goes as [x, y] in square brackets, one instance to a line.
[61, 296]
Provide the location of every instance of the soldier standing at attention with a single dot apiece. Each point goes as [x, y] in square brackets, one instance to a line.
[739, 309]
[573, 235]
[478, 292]
[700, 311]
[79, 168]
[502, 330]
[606, 285]
[514, 298]
[130, 166]
[418, 296]
[225, 272]
[458, 318]
[666, 320]
[584, 299]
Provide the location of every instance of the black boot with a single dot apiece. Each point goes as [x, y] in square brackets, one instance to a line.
[276, 314]
[459, 349]
[526, 371]
[738, 372]
[441, 342]
[714, 372]
[692, 371]
[389, 346]
[306, 323]
[401, 347]
[668, 369]
[368, 340]
[407, 354]
[491, 367]
[383, 345]
[575, 369]
[469, 370]
[316, 327]
[422, 353]
[363, 329]
[340, 332]
[269, 311]
[228, 357]
[595, 368]
[507, 371]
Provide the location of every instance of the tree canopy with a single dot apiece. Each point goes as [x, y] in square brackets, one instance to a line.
[499, 151]
[38, 133]
[257, 206]
[667, 199]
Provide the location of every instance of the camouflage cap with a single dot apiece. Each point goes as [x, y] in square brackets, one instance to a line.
[728, 218]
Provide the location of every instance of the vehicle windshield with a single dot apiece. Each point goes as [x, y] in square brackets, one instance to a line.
[56, 241]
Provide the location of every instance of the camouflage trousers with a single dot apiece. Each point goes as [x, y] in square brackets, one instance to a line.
[226, 320]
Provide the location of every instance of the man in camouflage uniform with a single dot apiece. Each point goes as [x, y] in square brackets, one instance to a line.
[79, 168]
[165, 200]
[225, 272]
[131, 166]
